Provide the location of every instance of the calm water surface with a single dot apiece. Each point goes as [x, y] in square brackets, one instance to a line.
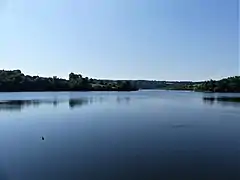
[143, 135]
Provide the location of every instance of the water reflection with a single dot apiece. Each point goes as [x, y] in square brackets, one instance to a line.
[227, 103]
[18, 105]
[79, 102]
[208, 102]
[222, 100]
[123, 100]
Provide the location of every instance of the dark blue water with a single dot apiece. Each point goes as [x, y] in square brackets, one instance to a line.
[143, 135]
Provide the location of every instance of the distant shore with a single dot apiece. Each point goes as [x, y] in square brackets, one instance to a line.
[226, 85]
[16, 81]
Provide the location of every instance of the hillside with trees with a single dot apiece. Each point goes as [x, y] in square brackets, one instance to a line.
[231, 84]
[17, 81]
[13, 81]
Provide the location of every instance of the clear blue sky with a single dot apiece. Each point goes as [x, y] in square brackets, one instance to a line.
[121, 39]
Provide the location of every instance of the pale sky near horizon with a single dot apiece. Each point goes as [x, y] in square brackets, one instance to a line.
[121, 39]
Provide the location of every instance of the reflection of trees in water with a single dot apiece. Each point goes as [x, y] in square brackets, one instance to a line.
[123, 99]
[78, 102]
[18, 105]
[208, 101]
[227, 103]
[223, 101]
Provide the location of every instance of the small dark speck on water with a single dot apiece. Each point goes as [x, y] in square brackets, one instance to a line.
[42, 138]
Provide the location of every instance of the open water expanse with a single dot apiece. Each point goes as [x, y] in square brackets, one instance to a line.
[142, 135]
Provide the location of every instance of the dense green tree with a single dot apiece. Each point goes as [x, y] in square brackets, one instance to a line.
[17, 81]
[231, 84]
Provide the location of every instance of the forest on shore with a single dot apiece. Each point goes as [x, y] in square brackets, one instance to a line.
[15, 80]
[230, 84]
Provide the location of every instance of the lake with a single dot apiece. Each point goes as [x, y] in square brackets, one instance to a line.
[142, 135]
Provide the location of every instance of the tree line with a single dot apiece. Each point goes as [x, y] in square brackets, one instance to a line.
[231, 84]
[16, 81]
[12, 81]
